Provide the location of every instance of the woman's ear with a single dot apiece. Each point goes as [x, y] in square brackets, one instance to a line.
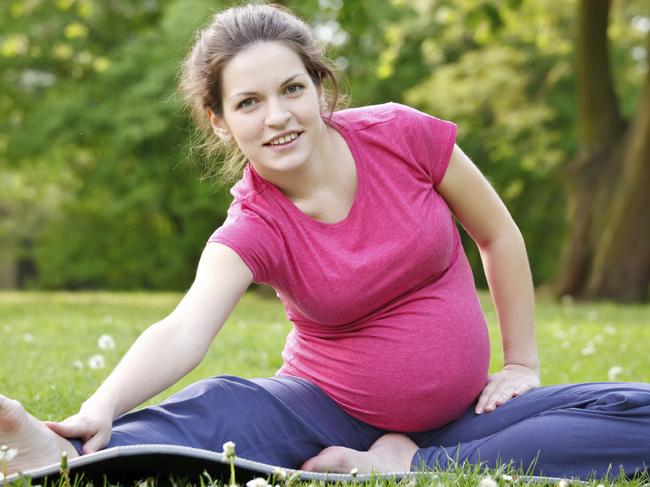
[219, 127]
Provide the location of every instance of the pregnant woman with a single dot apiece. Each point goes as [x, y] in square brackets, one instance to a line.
[350, 216]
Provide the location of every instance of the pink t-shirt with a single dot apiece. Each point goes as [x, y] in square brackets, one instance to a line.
[386, 319]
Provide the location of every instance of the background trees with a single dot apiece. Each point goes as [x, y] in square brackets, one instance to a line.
[96, 187]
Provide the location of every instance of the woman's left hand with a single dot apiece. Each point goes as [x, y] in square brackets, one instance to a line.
[510, 382]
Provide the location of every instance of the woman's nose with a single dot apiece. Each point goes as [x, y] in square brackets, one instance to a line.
[277, 114]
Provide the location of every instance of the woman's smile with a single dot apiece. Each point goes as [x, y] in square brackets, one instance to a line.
[284, 142]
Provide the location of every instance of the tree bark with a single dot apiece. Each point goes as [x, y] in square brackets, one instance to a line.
[607, 251]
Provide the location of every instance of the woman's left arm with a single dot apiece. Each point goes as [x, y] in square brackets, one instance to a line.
[485, 217]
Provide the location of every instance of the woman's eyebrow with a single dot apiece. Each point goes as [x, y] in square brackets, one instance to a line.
[248, 93]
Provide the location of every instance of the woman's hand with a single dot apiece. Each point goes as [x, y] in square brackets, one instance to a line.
[510, 382]
[93, 427]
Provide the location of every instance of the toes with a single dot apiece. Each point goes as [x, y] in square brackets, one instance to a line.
[12, 414]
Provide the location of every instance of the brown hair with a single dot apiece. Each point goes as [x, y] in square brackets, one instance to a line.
[229, 32]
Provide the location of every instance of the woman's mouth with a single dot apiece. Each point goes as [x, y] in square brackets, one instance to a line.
[284, 141]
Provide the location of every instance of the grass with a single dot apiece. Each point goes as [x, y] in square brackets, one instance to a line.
[44, 337]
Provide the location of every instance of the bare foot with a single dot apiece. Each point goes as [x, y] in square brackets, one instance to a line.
[392, 452]
[36, 444]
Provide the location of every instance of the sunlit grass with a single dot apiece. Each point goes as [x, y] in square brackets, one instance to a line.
[47, 340]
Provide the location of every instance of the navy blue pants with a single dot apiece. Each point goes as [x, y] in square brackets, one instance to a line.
[574, 430]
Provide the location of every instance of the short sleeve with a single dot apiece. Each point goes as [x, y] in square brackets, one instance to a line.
[431, 140]
[252, 238]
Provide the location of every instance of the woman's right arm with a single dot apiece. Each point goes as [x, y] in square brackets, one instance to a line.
[167, 350]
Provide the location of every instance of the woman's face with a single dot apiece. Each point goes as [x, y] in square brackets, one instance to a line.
[270, 108]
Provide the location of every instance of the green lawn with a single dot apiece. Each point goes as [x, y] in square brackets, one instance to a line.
[45, 337]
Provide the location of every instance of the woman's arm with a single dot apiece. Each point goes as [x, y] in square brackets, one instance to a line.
[167, 350]
[484, 216]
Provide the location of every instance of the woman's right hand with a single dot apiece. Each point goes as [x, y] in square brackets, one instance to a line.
[91, 426]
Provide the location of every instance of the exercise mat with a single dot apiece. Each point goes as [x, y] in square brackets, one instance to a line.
[126, 464]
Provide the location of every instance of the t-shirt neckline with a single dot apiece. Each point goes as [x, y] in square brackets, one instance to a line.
[341, 127]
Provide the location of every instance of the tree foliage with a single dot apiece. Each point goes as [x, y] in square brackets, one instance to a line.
[97, 190]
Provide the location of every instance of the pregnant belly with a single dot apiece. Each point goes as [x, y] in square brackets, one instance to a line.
[394, 378]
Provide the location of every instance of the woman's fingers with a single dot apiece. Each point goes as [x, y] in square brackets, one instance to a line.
[96, 443]
[497, 393]
[485, 396]
[93, 434]
[69, 428]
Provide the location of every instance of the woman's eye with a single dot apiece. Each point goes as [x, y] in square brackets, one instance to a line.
[293, 89]
[247, 103]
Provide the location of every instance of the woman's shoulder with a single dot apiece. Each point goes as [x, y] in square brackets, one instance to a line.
[249, 188]
[359, 118]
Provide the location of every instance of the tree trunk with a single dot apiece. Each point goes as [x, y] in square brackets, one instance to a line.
[607, 254]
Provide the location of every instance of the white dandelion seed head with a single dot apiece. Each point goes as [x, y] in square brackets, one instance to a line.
[563, 483]
[280, 473]
[78, 364]
[614, 372]
[487, 482]
[97, 362]
[106, 342]
[257, 482]
[641, 23]
[610, 330]
[589, 349]
[506, 478]
[7, 454]
[28, 338]
[229, 449]
[354, 471]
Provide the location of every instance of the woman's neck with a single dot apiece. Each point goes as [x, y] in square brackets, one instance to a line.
[319, 172]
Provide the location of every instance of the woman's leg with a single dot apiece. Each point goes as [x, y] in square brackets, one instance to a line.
[279, 420]
[573, 430]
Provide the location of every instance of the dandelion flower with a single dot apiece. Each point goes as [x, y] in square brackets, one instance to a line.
[257, 482]
[229, 449]
[280, 473]
[292, 478]
[487, 482]
[563, 483]
[614, 372]
[97, 362]
[78, 364]
[7, 454]
[506, 478]
[106, 342]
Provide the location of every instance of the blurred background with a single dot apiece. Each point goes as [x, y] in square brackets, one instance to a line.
[98, 189]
